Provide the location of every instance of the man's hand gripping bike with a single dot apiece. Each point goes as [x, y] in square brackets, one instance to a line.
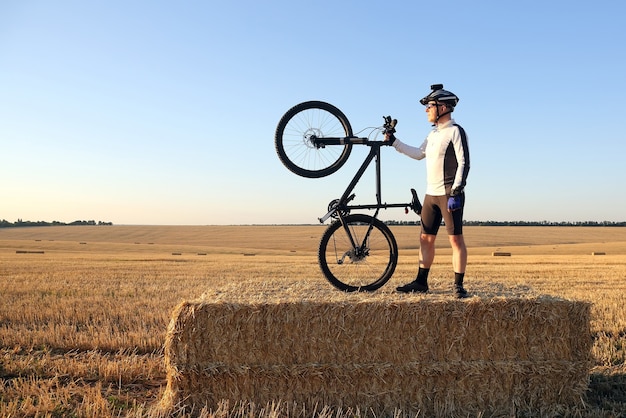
[357, 252]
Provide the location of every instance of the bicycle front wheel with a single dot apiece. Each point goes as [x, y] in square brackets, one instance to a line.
[359, 254]
[293, 141]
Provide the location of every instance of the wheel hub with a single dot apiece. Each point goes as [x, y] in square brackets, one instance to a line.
[311, 134]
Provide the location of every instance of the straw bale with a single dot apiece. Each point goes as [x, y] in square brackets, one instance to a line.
[439, 356]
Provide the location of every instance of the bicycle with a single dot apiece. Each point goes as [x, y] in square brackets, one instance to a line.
[357, 252]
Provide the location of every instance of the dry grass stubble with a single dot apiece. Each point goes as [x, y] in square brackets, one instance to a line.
[82, 325]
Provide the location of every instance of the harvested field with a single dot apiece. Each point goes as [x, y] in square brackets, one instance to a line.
[82, 326]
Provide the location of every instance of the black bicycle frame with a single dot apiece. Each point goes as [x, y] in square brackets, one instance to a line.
[342, 204]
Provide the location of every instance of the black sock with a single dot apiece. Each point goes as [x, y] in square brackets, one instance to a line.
[422, 275]
[458, 279]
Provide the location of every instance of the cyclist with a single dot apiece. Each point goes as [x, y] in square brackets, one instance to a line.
[447, 165]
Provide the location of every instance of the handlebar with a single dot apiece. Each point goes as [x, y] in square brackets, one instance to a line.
[390, 124]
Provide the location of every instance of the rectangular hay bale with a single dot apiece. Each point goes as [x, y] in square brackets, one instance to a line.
[494, 356]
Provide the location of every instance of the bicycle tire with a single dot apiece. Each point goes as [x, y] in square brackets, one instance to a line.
[293, 144]
[349, 271]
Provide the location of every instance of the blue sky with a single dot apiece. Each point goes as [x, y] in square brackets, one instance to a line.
[155, 112]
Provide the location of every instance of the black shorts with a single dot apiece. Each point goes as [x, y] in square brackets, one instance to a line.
[435, 209]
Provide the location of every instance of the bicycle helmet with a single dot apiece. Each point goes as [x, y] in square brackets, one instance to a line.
[439, 95]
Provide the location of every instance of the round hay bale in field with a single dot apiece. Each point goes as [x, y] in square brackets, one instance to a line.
[379, 352]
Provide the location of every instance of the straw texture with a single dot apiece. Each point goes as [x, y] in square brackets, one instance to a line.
[439, 357]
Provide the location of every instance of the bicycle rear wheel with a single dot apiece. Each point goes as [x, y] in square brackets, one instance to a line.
[293, 139]
[365, 266]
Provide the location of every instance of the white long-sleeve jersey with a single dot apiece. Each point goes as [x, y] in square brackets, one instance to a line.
[447, 158]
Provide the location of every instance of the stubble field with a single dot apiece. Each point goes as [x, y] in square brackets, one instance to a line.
[84, 310]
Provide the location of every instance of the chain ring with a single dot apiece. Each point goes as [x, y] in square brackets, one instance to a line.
[333, 205]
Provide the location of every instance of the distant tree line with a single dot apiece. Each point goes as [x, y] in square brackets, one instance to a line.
[522, 223]
[6, 224]
[545, 223]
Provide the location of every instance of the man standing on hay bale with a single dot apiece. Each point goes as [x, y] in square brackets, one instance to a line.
[447, 166]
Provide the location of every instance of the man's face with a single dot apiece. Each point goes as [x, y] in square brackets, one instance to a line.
[431, 111]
